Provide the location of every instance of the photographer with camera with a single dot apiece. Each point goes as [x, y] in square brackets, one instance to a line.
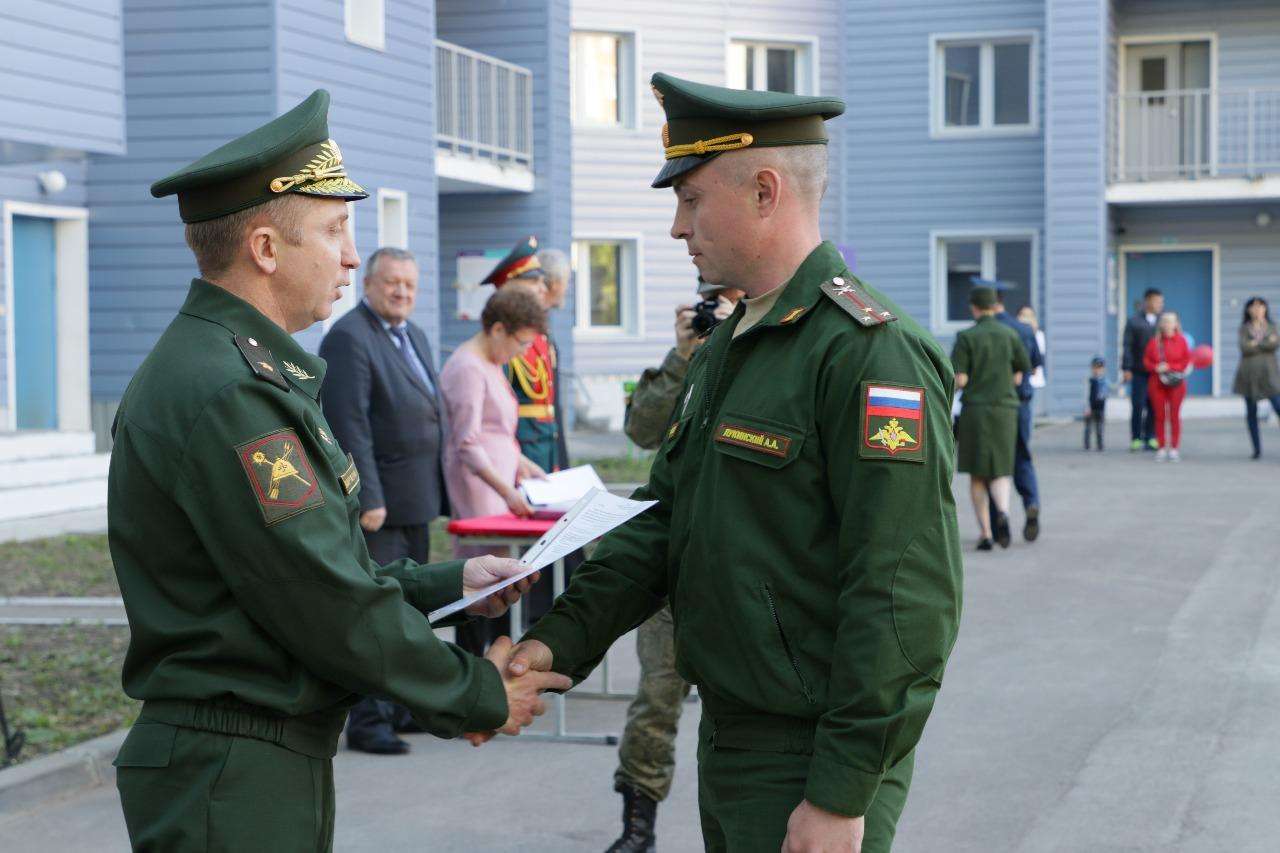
[646, 756]
[650, 405]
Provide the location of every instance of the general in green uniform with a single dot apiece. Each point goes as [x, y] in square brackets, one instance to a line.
[805, 531]
[257, 617]
[987, 356]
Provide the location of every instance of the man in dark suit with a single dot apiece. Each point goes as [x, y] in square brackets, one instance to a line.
[1137, 332]
[380, 397]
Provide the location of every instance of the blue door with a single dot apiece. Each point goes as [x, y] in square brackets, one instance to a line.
[35, 313]
[1186, 279]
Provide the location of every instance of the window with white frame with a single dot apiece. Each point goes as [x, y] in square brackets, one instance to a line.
[393, 219]
[366, 22]
[602, 79]
[984, 84]
[774, 66]
[605, 274]
[1009, 259]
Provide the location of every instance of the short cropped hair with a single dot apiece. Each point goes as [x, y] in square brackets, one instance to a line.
[515, 308]
[1152, 291]
[389, 253]
[555, 264]
[805, 166]
[216, 242]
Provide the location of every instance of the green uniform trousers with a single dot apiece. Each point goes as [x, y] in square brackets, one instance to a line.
[752, 774]
[647, 754]
[185, 789]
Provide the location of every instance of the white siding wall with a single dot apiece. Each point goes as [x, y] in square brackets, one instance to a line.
[612, 168]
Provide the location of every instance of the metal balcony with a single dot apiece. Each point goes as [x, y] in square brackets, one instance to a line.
[1226, 139]
[484, 122]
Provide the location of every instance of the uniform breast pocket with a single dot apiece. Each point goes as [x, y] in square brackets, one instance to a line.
[764, 441]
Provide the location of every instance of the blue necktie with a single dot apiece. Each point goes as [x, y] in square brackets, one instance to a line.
[415, 364]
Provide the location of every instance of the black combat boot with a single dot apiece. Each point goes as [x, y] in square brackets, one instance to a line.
[639, 815]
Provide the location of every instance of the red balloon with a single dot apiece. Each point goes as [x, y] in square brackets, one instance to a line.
[1202, 356]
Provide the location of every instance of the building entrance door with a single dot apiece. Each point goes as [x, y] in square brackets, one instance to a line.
[1186, 279]
[35, 314]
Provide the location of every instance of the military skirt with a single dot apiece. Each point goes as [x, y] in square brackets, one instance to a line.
[987, 437]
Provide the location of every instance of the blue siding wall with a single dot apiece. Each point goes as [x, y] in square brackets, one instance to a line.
[900, 184]
[1076, 66]
[476, 222]
[196, 76]
[61, 83]
[382, 116]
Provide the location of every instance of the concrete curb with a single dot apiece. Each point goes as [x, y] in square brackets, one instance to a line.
[51, 777]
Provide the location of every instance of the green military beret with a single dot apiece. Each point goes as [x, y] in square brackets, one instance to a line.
[982, 297]
[290, 154]
[705, 121]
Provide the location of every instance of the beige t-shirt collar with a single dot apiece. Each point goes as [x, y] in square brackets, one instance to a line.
[755, 309]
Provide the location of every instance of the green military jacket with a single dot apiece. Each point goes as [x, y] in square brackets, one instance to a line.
[656, 394]
[807, 538]
[233, 519]
[989, 352]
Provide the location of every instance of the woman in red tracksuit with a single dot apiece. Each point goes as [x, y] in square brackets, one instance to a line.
[1168, 360]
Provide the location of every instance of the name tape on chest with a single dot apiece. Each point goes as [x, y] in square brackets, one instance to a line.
[893, 422]
[280, 475]
[350, 478]
[753, 439]
[859, 304]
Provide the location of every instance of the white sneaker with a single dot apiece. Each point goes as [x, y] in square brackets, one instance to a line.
[1173, 455]
[1162, 454]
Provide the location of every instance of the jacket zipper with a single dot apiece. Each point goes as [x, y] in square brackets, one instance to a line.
[786, 646]
[714, 384]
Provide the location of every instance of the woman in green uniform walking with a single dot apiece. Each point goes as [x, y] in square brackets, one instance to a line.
[989, 361]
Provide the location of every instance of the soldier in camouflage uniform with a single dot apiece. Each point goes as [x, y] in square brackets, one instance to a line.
[646, 756]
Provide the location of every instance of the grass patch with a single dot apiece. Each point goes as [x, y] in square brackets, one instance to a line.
[622, 469]
[73, 565]
[61, 684]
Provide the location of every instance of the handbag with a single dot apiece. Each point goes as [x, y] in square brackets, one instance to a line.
[1169, 378]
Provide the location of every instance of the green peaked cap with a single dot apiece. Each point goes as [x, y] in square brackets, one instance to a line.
[289, 154]
[705, 121]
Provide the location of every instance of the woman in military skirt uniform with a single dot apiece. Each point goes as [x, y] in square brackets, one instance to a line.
[989, 361]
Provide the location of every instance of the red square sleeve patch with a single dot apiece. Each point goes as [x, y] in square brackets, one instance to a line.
[281, 476]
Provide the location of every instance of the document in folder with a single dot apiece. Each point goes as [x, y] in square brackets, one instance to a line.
[593, 516]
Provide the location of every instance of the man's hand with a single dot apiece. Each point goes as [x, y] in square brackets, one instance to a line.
[527, 469]
[687, 339]
[479, 572]
[814, 830]
[523, 659]
[372, 520]
[524, 701]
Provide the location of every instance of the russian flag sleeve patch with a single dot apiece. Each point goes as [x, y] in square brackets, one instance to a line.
[893, 422]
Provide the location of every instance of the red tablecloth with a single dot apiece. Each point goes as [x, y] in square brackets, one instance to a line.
[501, 525]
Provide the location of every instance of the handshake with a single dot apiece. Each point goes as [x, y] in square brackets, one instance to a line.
[525, 667]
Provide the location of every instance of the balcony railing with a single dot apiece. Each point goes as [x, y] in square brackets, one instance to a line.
[484, 107]
[1190, 134]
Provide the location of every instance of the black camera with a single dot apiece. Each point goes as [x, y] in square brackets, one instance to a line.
[704, 316]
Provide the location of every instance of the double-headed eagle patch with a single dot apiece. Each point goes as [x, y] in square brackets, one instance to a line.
[892, 422]
[281, 476]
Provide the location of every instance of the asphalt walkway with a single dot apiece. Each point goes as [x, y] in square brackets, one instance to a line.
[1116, 686]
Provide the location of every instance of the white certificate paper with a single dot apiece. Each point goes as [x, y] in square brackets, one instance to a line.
[563, 488]
[593, 516]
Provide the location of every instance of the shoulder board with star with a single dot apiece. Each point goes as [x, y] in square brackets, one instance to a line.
[850, 295]
[261, 361]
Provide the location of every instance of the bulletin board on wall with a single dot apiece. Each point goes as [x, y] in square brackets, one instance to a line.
[472, 267]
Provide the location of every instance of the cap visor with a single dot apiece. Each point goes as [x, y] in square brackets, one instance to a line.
[678, 166]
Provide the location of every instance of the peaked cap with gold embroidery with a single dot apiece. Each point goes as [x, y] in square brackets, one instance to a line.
[289, 154]
[706, 121]
[520, 262]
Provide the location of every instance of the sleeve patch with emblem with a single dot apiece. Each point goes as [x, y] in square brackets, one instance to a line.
[893, 421]
[281, 476]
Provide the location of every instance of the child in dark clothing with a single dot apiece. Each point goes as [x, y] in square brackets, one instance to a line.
[1095, 413]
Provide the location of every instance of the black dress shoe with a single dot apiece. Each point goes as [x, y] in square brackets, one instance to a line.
[380, 743]
[1000, 530]
[985, 545]
[1256, 454]
[1031, 529]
